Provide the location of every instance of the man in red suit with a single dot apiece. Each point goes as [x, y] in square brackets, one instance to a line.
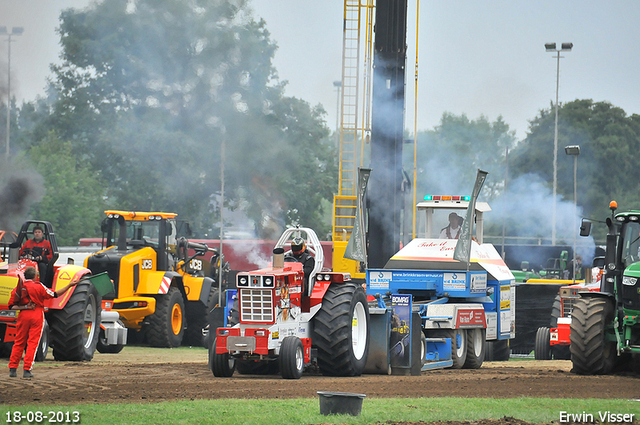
[39, 249]
[29, 298]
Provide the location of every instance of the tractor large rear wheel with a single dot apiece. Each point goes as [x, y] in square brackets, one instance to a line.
[166, 325]
[556, 311]
[592, 353]
[75, 328]
[341, 330]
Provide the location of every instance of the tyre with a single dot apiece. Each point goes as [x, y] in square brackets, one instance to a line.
[542, 349]
[291, 358]
[556, 311]
[104, 348]
[222, 365]
[74, 329]
[423, 349]
[341, 330]
[43, 345]
[592, 352]
[475, 348]
[197, 319]
[458, 344]
[501, 350]
[166, 325]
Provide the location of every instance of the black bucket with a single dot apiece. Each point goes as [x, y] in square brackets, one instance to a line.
[333, 403]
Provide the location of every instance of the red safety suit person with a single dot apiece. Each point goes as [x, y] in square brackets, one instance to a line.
[39, 249]
[30, 302]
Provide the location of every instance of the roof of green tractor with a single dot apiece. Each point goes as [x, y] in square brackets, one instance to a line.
[632, 215]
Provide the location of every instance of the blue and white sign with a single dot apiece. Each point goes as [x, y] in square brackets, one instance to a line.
[454, 281]
[380, 280]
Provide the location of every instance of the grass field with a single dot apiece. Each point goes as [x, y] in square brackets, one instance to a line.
[306, 411]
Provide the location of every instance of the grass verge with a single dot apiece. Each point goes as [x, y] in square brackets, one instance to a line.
[306, 411]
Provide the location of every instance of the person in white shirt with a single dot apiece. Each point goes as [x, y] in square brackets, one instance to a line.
[452, 231]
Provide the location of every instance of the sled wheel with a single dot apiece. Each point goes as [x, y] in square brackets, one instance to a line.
[458, 344]
[475, 348]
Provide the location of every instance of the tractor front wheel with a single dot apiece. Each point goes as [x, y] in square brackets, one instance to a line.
[542, 349]
[104, 347]
[222, 365]
[291, 358]
[166, 325]
[592, 352]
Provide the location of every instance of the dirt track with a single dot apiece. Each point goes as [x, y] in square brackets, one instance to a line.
[141, 374]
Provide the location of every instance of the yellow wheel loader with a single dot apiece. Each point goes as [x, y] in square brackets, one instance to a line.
[160, 288]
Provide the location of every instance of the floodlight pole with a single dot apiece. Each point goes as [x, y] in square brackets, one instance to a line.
[551, 47]
[14, 31]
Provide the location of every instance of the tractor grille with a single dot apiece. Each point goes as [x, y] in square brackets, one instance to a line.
[256, 305]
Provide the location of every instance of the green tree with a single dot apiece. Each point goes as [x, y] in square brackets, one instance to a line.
[72, 199]
[450, 154]
[149, 91]
[608, 139]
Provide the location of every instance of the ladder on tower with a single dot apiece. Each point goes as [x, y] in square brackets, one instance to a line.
[351, 132]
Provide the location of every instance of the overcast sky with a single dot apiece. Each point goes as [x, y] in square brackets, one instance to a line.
[475, 57]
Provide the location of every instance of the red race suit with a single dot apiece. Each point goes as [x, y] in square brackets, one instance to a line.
[42, 248]
[30, 322]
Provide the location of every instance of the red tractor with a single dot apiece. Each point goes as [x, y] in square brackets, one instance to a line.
[553, 342]
[282, 320]
[73, 322]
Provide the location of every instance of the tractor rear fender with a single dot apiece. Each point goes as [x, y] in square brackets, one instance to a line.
[62, 277]
[596, 294]
[319, 290]
[197, 288]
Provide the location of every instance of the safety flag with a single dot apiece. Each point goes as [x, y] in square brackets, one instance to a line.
[463, 245]
[357, 245]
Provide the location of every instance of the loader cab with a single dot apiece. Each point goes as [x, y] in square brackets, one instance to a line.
[129, 231]
[26, 233]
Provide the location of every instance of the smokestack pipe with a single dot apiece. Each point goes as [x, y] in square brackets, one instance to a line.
[278, 258]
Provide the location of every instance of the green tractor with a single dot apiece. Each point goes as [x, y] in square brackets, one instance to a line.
[605, 325]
